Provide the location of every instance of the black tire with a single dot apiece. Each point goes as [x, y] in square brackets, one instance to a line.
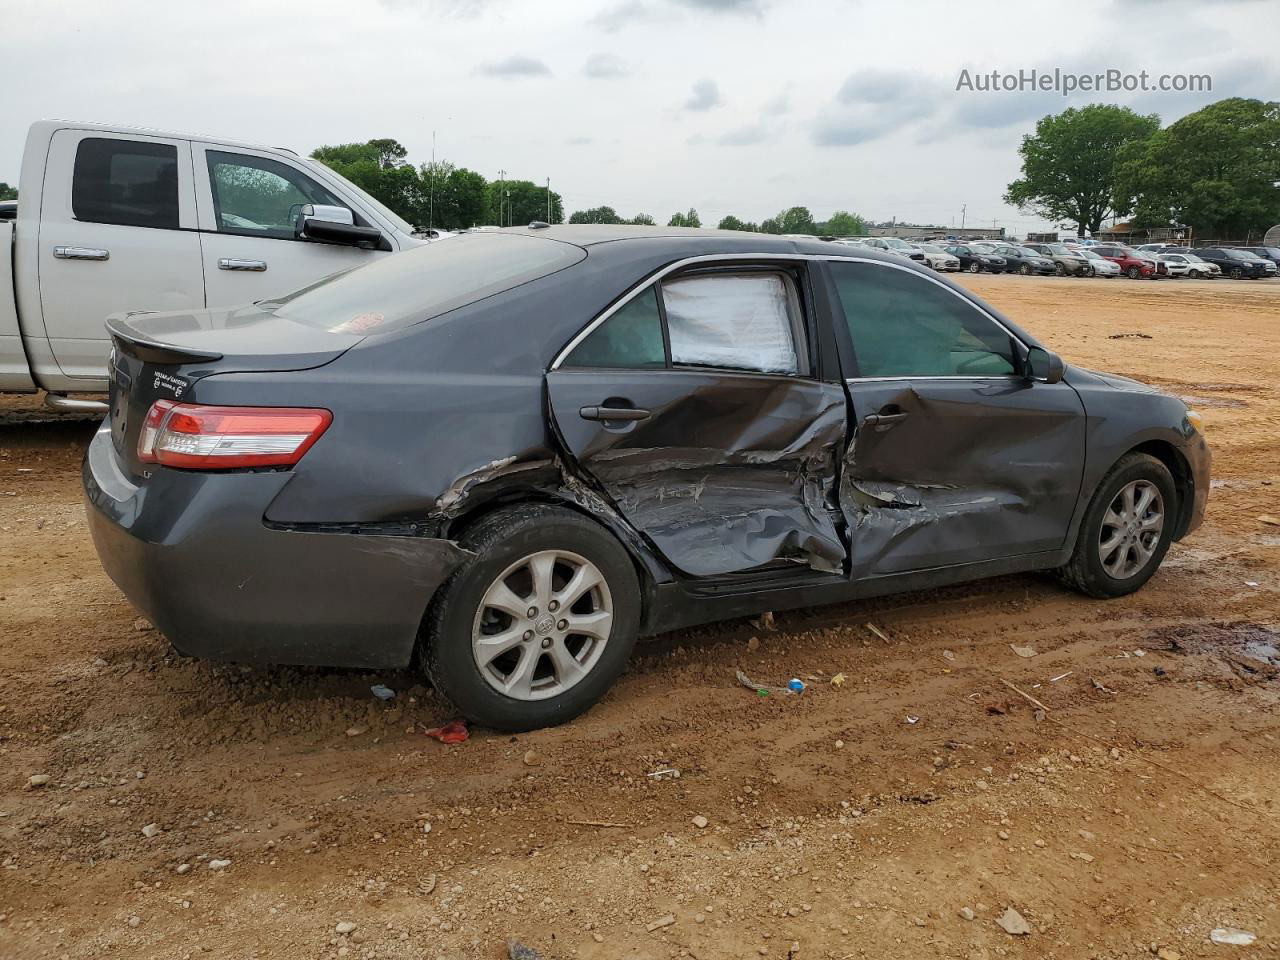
[1025, 269]
[1085, 572]
[1086, 272]
[1236, 273]
[499, 540]
[1059, 270]
[1133, 273]
[975, 267]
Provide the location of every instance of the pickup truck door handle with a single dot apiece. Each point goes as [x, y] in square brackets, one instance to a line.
[232, 263]
[81, 253]
[613, 413]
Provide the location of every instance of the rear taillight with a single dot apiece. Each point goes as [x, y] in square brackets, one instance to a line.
[198, 437]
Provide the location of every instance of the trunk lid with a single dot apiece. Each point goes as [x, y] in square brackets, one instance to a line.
[158, 356]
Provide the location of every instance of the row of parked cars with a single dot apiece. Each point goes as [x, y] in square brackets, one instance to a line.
[1075, 259]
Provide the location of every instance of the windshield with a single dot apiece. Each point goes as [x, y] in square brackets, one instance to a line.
[1058, 250]
[894, 243]
[425, 282]
[1192, 258]
[1243, 255]
[931, 248]
[396, 221]
[1091, 255]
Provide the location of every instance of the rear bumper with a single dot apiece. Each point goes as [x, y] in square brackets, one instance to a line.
[191, 551]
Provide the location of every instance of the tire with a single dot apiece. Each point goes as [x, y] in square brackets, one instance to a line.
[1025, 269]
[1086, 571]
[1059, 270]
[975, 267]
[1133, 273]
[1087, 272]
[501, 543]
[1236, 273]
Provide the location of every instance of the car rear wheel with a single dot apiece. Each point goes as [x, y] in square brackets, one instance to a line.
[1126, 530]
[1133, 273]
[536, 626]
[1059, 270]
[975, 267]
[1236, 273]
[1025, 269]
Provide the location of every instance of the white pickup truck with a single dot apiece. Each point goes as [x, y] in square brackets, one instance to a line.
[114, 219]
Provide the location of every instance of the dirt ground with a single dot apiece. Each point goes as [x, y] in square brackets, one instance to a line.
[861, 819]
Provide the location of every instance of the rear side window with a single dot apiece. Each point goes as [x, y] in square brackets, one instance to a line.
[742, 322]
[260, 197]
[631, 337]
[127, 182]
[905, 325]
[410, 287]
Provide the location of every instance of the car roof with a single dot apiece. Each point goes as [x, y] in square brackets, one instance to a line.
[709, 241]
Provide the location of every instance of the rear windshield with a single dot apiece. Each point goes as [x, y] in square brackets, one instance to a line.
[410, 287]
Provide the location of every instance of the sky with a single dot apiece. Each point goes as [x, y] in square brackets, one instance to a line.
[740, 107]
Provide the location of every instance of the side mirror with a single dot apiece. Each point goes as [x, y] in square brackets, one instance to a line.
[330, 224]
[1042, 365]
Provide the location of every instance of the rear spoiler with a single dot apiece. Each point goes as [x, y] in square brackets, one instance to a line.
[128, 341]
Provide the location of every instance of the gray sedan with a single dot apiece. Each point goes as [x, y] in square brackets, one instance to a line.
[508, 455]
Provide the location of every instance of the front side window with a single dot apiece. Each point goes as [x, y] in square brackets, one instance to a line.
[742, 322]
[632, 337]
[129, 182]
[259, 197]
[906, 325]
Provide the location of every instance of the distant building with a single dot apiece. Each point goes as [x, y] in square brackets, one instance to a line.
[1128, 233]
[920, 233]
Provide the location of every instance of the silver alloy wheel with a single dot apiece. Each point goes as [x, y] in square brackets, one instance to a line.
[542, 625]
[1131, 529]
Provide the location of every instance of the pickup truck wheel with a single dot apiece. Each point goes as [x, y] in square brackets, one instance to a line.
[1126, 531]
[535, 627]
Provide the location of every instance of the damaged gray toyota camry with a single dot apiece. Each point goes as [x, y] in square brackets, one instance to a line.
[507, 455]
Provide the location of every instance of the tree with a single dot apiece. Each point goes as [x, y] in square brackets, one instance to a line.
[520, 202]
[794, 220]
[733, 223]
[596, 215]
[1069, 165]
[7, 192]
[844, 224]
[1214, 169]
[689, 219]
[642, 220]
[455, 196]
[770, 225]
[378, 167]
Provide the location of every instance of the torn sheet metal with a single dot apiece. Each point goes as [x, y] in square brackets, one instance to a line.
[973, 470]
[728, 472]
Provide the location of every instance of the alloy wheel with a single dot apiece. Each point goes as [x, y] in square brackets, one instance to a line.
[542, 625]
[1131, 529]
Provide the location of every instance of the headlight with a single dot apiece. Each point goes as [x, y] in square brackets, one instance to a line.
[1196, 421]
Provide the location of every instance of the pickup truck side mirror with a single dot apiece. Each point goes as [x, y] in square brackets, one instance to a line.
[1043, 365]
[330, 224]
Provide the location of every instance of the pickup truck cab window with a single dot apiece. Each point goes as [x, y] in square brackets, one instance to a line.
[906, 325]
[260, 197]
[129, 182]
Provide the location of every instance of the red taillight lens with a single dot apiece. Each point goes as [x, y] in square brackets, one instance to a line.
[198, 437]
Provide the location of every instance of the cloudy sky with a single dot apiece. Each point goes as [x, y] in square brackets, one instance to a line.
[729, 106]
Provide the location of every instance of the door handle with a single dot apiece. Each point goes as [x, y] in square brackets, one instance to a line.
[81, 253]
[232, 263]
[883, 419]
[613, 413]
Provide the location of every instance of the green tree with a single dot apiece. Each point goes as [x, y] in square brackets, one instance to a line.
[1215, 170]
[455, 196]
[733, 223]
[844, 224]
[642, 220]
[770, 225]
[7, 192]
[1069, 165]
[596, 215]
[793, 220]
[520, 202]
[689, 219]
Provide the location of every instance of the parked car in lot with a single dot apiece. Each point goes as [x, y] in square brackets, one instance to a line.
[1265, 253]
[1237, 264]
[1066, 262]
[117, 219]
[1024, 260]
[895, 246]
[938, 258]
[1100, 266]
[510, 454]
[975, 260]
[1195, 268]
[1134, 265]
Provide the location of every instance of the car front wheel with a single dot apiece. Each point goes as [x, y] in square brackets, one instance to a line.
[1025, 269]
[975, 267]
[1127, 529]
[536, 626]
[1059, 270]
